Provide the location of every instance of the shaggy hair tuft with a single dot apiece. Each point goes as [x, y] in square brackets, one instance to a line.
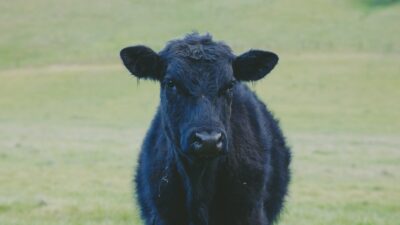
[197, 47]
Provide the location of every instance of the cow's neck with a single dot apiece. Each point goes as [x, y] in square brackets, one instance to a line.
[199, 180]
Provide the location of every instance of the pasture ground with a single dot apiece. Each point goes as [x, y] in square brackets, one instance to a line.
[72, 119]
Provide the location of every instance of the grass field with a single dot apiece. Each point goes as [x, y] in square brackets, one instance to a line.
[72, 119]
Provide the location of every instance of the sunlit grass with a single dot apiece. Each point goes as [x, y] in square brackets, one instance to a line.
[72, 119]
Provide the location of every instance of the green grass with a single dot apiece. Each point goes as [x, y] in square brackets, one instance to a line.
[47, 32]
[72, 119]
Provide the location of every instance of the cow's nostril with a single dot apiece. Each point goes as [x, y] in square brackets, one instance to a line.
[197, 142]
[219, 144]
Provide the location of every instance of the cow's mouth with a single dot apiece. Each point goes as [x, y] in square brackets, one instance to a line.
[207, 156]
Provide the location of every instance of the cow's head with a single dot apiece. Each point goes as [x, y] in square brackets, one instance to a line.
[198, 80]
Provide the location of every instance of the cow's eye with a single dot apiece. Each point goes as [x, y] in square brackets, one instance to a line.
[175, 87]
[171, 84]
[227, 89]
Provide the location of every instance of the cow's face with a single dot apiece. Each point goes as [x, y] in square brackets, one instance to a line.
[198, 82]
[196, 101]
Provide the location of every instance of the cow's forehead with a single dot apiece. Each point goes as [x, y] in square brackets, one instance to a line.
[197, 59]
[189, 71]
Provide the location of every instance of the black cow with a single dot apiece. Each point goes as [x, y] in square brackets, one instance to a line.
[214, 154]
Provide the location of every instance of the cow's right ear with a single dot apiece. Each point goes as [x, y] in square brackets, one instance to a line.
[142, 62]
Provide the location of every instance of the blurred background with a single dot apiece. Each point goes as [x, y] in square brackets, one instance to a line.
[72, 118]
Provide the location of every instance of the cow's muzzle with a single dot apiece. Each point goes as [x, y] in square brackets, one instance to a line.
[207, 144]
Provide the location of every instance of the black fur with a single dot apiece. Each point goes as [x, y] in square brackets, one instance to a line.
[142, 61]
[201, 88]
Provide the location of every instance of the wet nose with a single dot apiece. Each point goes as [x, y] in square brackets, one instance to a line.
[207, 144]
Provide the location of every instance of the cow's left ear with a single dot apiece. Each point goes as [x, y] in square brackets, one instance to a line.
[142, 62]
[254, 65]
